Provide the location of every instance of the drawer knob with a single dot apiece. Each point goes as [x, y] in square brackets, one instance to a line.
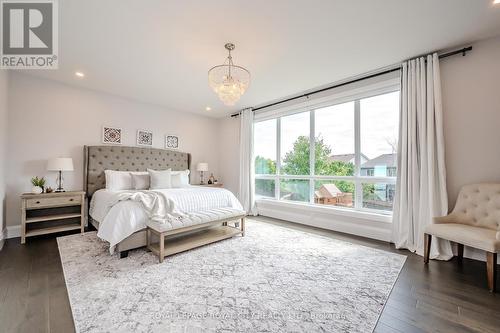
[71, 199]
[38, 202]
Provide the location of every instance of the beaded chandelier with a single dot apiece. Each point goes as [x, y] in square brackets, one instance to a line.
[228, 80]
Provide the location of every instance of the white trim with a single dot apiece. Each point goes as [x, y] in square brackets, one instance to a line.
[379, 88]
[358, 191]
[13, 231]
[3, 236]
[355, 223]
[312, 153]
[331, 210]
[363, 179]
[277, 185]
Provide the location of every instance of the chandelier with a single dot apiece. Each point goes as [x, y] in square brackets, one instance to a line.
[228, 80]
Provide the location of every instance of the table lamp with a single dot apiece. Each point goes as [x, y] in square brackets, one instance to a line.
[202, 167]
[60, 164]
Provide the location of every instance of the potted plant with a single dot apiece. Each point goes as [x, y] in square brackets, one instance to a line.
[38, 185]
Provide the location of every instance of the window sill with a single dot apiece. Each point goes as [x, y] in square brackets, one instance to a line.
[386, 218]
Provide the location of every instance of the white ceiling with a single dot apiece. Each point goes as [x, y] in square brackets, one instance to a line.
[159, 51]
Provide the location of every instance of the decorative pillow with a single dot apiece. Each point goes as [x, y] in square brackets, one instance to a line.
[118, 180]
[180, 179]
[140, 181]
[160, 179]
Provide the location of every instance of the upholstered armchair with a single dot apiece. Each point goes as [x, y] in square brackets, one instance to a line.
[474, 222]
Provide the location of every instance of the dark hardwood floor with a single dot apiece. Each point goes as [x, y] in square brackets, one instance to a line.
[440, 297]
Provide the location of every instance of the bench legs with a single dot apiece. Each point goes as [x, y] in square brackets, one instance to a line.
[162, 247]
[491, 268]
[427, 247]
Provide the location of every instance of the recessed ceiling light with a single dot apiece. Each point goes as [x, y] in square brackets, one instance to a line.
[208, 108]
[79, 74]
[496, 2]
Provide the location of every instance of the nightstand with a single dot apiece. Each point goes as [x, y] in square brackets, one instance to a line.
[212, 185]
[48, 213]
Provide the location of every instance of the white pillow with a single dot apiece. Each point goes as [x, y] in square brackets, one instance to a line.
[180, 179]
[160, 179]
[118, 180]
[140, 181]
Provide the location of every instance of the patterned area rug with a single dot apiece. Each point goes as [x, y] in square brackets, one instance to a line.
[272, 280]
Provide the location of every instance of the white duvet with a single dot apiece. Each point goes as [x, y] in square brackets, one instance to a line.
[120, 218]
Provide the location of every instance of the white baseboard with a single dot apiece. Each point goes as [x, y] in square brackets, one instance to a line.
[3, 236]
[14, 231]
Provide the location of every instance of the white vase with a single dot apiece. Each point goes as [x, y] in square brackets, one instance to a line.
[36, 190]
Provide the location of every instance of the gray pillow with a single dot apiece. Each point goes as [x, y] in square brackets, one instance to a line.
[160, 179]
[140, 181]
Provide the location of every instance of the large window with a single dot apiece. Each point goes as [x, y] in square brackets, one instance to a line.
[295, 144]
[341, 155]
[265, 157]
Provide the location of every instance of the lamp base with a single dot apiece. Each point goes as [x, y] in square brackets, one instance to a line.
[201, 178]
[60, 183]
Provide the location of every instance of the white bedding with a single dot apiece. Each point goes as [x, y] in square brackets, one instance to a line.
[118, 220]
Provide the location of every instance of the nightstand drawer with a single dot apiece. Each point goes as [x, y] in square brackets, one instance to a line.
[53, 202]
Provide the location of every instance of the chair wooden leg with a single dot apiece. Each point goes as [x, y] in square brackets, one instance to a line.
[491, 267]
[243, 227]
[427, 247]
[460, 252]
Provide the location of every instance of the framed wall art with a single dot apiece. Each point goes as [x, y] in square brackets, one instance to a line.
[111, 135]
[171, 142]
[144, 138]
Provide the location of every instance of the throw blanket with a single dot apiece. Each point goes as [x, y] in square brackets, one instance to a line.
[157, 205]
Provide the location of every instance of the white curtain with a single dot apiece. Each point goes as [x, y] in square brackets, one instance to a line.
[421, 183]
[246, 189]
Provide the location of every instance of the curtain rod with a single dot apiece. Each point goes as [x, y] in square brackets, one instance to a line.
[462, 51]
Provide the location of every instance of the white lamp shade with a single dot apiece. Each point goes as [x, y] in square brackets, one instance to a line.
[60, 164]
[202, 167]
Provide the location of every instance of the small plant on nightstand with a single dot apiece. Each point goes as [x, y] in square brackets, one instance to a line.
[38, 185]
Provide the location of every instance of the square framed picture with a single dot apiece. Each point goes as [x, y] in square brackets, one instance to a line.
[112, 135]
[171, 142]
[144, 138]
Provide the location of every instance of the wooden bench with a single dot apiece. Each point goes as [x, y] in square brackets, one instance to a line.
[206, 227]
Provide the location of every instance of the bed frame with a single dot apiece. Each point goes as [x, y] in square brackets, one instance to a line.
[121, 158]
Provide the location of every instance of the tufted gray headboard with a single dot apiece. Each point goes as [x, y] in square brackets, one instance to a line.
[100, 158]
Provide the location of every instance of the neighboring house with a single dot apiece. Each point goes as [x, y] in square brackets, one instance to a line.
[329, 194]
[347, 158]
[382, 197]
[381, 166]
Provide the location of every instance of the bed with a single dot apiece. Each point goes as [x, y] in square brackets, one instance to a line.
[123, 223]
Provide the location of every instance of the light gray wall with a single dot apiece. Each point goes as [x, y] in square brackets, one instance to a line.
[471, 107]
[3, 147]
[48, 119]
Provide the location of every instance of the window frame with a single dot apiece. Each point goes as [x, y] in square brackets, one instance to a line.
[355, 96]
